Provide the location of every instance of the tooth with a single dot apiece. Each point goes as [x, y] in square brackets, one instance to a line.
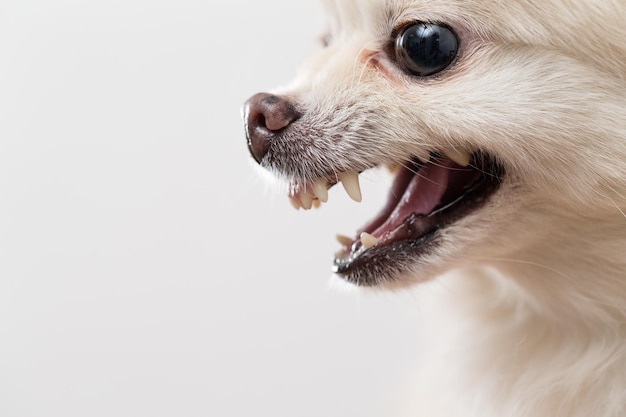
[344, 240]
[306, 200]
[423, 155]
[316, 203]
[368, 240]
[350, 182]
[459, 156]
[320, 189]
[295, 202]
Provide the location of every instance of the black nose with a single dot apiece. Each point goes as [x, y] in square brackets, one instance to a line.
[263, 115]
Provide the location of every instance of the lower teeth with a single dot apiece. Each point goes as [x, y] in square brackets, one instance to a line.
[368, 240]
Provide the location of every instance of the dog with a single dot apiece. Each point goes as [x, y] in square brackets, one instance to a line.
[503, 123]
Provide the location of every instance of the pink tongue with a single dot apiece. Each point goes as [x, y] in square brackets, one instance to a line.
[421, 196]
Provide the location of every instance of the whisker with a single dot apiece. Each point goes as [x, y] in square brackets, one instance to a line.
[418, 173]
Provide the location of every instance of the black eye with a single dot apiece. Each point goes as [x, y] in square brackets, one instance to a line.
[425, 48]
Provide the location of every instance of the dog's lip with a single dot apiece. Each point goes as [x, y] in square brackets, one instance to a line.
[386, 240]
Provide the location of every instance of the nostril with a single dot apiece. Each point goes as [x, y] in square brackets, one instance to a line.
[277, 112]
[264, 115]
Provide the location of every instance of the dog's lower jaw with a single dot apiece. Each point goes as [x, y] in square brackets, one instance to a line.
[538, 333]
[424, 200]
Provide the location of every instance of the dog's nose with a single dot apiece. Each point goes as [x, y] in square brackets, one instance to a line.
[264, 114]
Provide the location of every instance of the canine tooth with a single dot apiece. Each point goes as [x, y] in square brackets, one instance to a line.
[306, 200]
[459, 156]
[320, 189]
[350, 182]
[368, 240]
[344, 240]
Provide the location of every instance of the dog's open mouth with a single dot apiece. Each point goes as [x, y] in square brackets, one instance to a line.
[425, 197]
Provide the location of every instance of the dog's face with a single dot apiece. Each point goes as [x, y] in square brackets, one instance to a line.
[496, 117]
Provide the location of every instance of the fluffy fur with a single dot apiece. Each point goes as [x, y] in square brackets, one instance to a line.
[525, 299]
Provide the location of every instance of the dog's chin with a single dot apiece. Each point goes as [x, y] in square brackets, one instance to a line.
[425, 199]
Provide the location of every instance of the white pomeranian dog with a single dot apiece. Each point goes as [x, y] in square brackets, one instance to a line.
[504, 124]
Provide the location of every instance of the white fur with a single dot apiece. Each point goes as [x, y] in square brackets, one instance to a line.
[525, 308]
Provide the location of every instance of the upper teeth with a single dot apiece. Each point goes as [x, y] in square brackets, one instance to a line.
[306, 200]
[320, 189]
[350, 182]
[422, 154]
[459, 156]
[317, 191]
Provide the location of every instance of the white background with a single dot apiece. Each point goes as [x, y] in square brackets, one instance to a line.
[145, 268]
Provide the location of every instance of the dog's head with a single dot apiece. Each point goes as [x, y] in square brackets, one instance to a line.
[502, 121]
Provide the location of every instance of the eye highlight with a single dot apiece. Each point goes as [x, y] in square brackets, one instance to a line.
[425, 48]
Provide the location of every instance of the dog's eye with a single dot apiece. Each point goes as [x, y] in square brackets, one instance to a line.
[425, 48]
